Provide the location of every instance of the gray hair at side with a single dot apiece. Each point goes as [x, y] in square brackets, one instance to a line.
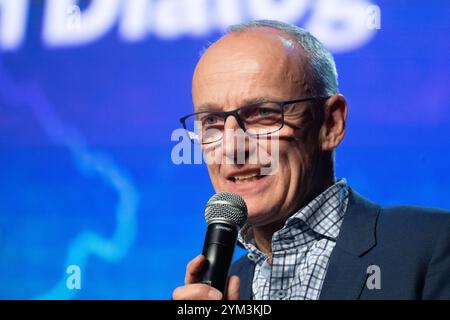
[321, 65]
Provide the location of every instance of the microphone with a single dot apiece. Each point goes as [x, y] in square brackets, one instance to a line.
[225, 214]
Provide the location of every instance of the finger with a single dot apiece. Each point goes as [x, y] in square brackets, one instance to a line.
[234, 286]
[196, 291]
[194, 269]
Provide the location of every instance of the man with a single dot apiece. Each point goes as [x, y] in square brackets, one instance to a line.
[309, 236]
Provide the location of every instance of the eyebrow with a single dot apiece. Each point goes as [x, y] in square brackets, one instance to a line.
[212, 107]
[206, 107]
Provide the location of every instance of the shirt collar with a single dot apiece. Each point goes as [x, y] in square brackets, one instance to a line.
[323, 215]
[325, 212]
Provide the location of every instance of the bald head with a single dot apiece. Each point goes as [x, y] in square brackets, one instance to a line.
[314, 60]
[254, 64]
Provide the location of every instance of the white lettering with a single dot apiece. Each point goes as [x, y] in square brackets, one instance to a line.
[284, 10]
[227, 12]
[95, 21]
[135, 22]
[374, 278]
[73, 281]
[13, 17]
[341, 25]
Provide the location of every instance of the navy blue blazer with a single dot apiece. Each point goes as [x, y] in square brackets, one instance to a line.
[409, 245]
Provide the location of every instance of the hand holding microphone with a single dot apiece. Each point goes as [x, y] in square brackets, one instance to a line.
[207, 274]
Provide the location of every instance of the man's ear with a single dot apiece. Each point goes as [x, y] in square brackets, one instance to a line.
[334, 118]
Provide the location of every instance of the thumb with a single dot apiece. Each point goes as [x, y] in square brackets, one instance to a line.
[233, 288]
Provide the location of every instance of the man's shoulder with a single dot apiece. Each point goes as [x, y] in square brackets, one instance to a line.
[417, 212]
[407, 215]
[393, 230]
[402, 226]
[416, 225]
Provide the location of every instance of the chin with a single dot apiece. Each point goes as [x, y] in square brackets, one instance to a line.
[257, 213]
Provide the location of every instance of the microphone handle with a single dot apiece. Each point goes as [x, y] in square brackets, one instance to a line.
[218, 248]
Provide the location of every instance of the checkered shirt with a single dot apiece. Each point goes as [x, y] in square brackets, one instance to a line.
[300, 250]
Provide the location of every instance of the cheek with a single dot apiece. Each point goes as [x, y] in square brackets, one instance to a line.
[295, 162]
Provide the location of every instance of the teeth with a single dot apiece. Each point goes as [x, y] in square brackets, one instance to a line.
[245, 178]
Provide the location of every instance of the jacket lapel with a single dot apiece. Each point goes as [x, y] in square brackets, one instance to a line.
[347, 269]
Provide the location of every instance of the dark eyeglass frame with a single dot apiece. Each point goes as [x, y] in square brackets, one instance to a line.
[235, 113]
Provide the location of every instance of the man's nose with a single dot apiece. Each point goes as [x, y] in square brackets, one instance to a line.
[231, 123]
[231, 131]
[235, 144]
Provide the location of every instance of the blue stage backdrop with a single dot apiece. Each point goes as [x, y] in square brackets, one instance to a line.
[92, 205]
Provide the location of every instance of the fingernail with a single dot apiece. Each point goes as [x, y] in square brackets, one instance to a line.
[214, 294]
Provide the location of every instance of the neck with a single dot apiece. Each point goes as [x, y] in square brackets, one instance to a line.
[263, 234]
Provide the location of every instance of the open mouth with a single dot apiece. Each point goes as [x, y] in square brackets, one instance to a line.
[245, 178]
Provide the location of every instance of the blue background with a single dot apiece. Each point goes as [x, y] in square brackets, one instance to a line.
[86, 175]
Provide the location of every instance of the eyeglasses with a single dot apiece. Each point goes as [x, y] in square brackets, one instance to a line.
[258, 119]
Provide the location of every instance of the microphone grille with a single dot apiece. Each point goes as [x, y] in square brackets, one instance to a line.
[226, 207]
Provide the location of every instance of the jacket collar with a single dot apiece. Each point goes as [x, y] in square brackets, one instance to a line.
[357, 234]
[347, 268]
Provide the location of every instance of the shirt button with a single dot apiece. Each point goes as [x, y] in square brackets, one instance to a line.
[280, 294]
